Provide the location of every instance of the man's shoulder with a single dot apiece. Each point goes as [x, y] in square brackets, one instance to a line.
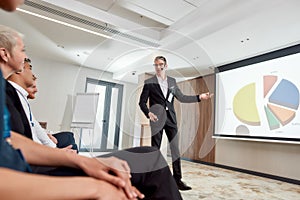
[8, 85]
[151, 80]
[10, 90]
[171, 78]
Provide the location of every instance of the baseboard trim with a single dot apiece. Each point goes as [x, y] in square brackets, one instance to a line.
[270, 176]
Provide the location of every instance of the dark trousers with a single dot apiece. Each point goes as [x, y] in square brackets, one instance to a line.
[171, 132]
[65, 139]
[149, 170]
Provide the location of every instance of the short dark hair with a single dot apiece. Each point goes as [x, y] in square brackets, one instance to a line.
[161, 58]
[27, 60]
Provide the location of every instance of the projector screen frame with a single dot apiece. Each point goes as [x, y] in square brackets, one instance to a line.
[243, 63]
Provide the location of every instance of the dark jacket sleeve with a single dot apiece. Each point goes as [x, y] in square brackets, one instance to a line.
[185, 98]
[143, 99]
[16, 123]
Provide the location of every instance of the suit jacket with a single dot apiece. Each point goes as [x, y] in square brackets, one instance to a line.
[18, 119]
[152, 91]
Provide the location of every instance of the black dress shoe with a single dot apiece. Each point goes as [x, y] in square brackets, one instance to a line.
[182, 186]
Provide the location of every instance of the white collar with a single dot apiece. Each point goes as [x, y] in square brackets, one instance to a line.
[19, 89]
[160, 78]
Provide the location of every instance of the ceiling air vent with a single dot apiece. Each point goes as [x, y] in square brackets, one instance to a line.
[114, 32]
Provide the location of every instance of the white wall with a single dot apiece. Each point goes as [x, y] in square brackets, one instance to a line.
[278, 159]
[59, 82]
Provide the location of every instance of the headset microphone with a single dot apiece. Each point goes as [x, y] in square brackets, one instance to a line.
[162, 68]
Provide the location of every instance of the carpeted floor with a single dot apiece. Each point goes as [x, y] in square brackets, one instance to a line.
[212, 183]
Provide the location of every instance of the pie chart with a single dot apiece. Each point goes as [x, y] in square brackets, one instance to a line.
[282, 102]
[244, 105]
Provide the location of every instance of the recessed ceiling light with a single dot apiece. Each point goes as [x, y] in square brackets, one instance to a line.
[245, 40]
[60, 46]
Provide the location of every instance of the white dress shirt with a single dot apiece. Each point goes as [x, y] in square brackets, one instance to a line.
[39, 134]
[163, 85]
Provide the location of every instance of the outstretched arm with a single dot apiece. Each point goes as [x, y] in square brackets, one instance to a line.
[190, 99]
[206, 95]
[19, 185]
[38, 154]
[184, 98]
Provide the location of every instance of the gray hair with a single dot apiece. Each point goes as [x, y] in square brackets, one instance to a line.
[8, 38]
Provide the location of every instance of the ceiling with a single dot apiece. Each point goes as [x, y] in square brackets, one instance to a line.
[123, 36]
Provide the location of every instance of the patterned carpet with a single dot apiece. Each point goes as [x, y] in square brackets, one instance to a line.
[212, 183]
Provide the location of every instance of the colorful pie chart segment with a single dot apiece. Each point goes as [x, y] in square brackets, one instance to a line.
[286, 94]
[272, 120]
[269, 81]
[280, 107]
[244, 105]
[282, 114]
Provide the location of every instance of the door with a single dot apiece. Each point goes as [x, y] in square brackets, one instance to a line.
[106, 132]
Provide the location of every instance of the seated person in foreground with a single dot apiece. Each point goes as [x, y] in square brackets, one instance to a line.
[18, 105]
[101, 178]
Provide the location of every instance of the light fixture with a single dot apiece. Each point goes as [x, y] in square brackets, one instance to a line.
[77, 27]
[63, 23]
[60, 46]
[133, 73]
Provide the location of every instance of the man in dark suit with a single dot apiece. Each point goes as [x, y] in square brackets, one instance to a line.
[105, 178]
[161, 90]
[19, 108]
[19, 122]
